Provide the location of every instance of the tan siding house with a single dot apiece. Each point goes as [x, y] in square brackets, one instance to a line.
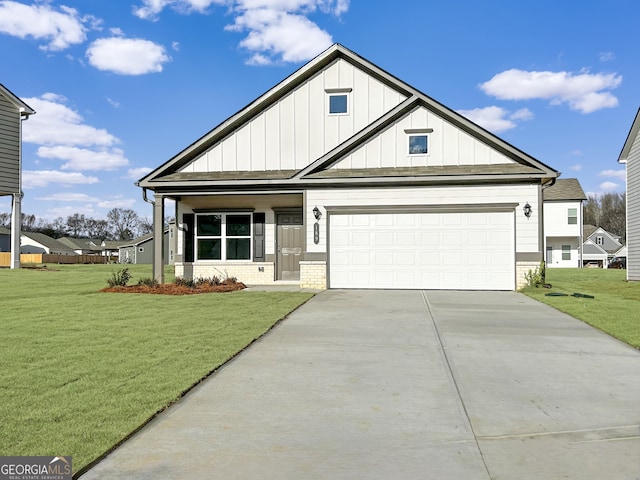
[12, 112]
[343, 176]
[630, 156]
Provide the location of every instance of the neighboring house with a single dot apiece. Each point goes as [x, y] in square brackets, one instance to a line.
[563, 222]
[5, 239]
[34, 242]
[344, 176]
[12, 112]
[83, 246]
[110, 248]
[630, 156]
[140, 250]
[599, 246]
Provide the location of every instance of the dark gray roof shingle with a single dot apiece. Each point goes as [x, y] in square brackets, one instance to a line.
[564, 189]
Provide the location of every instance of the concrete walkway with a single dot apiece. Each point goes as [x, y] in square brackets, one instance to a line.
[405, 385]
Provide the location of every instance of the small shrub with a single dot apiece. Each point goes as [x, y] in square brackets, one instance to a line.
[149, 282]
[119, 278]
[535, 278]
[184, 282]
[209, 281]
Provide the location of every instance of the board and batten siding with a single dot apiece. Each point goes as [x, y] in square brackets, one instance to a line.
[447, 146]
[633, 211]
[527, 235]
[9, 147]
[297, 129]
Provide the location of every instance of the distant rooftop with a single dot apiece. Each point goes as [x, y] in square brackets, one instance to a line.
[564, 189]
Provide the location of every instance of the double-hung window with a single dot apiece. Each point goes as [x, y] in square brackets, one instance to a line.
[223, 236]
[572, 216]
[566, 252]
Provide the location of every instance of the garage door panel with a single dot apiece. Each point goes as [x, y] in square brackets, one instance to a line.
[473, 250]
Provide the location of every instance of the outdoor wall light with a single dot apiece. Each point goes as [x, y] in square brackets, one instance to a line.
[317, 213]
[527, 210]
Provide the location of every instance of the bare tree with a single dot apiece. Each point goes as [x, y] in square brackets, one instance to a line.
[5, 219]
[123, 223]
[607, 211]
[76, 225]
[97, 228]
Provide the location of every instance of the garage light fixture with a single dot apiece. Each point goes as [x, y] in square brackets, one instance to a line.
[527, 210]
[317, 213]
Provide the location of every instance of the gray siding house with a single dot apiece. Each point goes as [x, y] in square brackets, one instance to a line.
[630, 155]
[344, 176]
[12, 112]
[140, 250]
[5, 239]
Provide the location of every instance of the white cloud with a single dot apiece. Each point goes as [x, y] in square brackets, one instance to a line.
[576, 168]
[68, 197]
[151, 8]
[60, 28]
[277, 30]
[127, 56]
[57, 124]
[609, 186]
[85, 159]
[582, 92]
[137, 173]
[621, 174]
[118, 203]
[273, 33]
[42, 178]
[606, 56]
[496, 119]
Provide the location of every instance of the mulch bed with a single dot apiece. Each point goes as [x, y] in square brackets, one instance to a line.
[173, 289]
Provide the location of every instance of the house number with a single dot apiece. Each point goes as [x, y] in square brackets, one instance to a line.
[316, 233]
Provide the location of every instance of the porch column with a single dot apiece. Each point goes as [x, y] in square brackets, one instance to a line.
[158, 238]
[16, 226]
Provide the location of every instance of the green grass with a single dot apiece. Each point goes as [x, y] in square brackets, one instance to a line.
[614, 310]
[82, 369]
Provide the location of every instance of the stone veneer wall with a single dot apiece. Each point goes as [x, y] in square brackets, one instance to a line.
[248, 273]
[522, 268]
[313, 274]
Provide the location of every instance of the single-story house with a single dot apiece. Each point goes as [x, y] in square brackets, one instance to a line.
[140, 250]
[630, 156]
[35, 242]
[83, 246]
[344, 176]
[563, 223]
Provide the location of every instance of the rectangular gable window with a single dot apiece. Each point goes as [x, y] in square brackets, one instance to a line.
[223, 237]
[418, 144]
[599, 240]
[572, 216]
[338, 100]
[566, 252]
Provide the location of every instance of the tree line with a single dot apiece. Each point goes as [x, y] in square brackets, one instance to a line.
[607, 211]
[120, 224]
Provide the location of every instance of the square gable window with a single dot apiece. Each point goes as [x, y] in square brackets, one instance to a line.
[418, 140]
[338, 101]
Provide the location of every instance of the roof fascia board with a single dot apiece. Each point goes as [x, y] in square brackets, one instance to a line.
[628, 143]
[13, 98]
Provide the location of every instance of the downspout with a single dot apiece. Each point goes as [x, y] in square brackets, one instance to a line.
[543, 187]
[16, 208]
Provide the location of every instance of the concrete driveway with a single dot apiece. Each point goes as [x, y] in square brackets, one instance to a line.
[408, 385]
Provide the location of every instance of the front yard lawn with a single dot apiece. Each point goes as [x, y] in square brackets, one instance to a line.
[614, 310]
[82, 369]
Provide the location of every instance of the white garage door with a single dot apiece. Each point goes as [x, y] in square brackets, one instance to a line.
[452, 251]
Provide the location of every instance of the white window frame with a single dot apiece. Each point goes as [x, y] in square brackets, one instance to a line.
[566, 250]
[335, 92]
[418, 132]
[223, 237]
[569, 216]
[599, 240]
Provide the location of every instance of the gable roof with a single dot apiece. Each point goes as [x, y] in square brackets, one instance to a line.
[589, 247]
[564, 189]
[81, 243]
[168, 175]
[47, 241]
[25, 109]
[4, 231]
[631, 137]
[613, 239]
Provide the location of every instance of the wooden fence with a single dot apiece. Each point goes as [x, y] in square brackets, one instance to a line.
[5, 258]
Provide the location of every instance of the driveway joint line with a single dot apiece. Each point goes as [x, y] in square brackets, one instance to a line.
[453, 378]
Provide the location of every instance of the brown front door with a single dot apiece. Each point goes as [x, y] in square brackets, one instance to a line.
[289, 242]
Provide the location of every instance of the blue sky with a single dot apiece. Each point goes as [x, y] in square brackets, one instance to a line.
[121, 86]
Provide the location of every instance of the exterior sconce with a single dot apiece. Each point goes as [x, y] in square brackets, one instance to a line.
[316, 226]
[317, 213]
[527, 210]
